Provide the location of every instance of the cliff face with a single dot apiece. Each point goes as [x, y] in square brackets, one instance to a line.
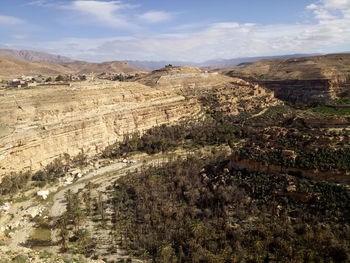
[308, 90]
[300, 90]
[224, 94]
[38, 125]
[300, 79]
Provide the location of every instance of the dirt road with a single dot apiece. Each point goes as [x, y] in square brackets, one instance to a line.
[58, 206]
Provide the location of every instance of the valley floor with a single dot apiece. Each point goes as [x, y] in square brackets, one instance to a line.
[24, 234]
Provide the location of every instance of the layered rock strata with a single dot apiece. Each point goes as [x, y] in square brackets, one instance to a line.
[38, 125]
[226, 94]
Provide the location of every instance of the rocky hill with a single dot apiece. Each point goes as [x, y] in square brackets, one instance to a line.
[30, 55]
[300, 79]
[221, 93]
[304, 68]
[13, 67]
[81, 67]
[211, 64]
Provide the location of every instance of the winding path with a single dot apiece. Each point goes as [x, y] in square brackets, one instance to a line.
[58, 206]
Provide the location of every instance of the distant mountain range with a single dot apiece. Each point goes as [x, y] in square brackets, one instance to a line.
[27, 62]
[16, 63]
[210, 64]
[34, 56]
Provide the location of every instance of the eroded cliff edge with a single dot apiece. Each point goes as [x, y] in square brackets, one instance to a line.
[38, 125]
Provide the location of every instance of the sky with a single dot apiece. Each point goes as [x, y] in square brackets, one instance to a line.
[175, 30]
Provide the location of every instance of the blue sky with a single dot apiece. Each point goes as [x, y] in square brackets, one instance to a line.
[182, 30]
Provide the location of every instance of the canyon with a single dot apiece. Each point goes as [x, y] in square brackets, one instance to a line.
[40, 124]
[216, 144]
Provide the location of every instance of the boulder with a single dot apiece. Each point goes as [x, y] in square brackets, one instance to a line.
[43, 193]
[68, 180]
[291, 188]
[34, 211]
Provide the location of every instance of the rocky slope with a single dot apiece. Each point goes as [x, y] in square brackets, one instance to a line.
[38, 125]
[30, 55]
[300, 79]
[13, 67]
[219, 92]
[81, 67]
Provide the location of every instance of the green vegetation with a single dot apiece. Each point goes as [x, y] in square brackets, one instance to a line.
[119, 77]
[20, 259]
[40, 238]
[73, 237]
[59, 78]
[14, 182]
[331, 110]
[201, 210]
[165, 138]
[323, 159]
[331, 107]
[341, 101]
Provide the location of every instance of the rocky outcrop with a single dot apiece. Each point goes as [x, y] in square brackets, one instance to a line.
[308, 90]
[306, 79]
[223, 93]
[300, 90]
[38, 125]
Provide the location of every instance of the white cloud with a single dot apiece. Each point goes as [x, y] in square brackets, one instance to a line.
[336, 4]
[323, 14]
[220, 40]
[329, 9]
[38, 3]
[105, 12]
[10, 20]
[330, 29]
[312, 6]
[155, 16]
